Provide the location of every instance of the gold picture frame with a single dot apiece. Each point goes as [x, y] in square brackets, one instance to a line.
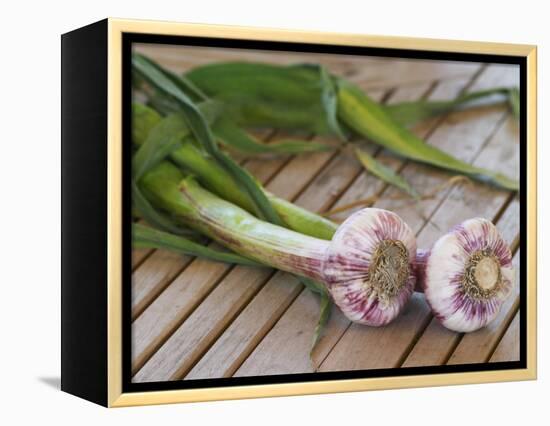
[114, 30]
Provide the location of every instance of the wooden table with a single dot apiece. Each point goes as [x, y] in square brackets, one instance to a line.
[195, 319]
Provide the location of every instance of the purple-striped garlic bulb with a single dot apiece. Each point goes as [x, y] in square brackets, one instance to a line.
[369, 266]
[467, 275]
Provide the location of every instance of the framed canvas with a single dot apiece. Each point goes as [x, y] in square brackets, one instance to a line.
[255, 212]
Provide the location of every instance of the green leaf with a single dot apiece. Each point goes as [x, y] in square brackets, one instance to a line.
[513, 99]
[146, 237]
[182, 82]
[148, 129]
[410, 113]
[312, 285]
[324, 316]
[143, 120]
[161, 141]
[233, 136]
[385, 173]
[298, 97]
[329, 98]
[371, 121]
[162, 104]
[198, 125]
[325, 308]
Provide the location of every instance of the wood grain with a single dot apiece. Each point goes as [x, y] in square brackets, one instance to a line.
[240, 338]
[195, 335]
[139, 255]
[508, 347]
[152, 277]
[197, 319]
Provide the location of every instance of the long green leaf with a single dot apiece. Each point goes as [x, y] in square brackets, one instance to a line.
[202, 132]
[182, 82]
[144, 119]
[145, 134]
[410, 113]
[370, 120]
[384, 173]
[298, 97]
[312, 285]
[164, 138]
[146, 237]
[329, 97]
[513, 99]
[233, 136]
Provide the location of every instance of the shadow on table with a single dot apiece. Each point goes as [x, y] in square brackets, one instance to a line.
[54, 382]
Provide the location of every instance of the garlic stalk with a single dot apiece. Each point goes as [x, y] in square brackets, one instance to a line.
[467, 275]
[367, 267]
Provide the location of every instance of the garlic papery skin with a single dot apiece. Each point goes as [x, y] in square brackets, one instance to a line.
[422, 256]
[369, 266]
[468, 275]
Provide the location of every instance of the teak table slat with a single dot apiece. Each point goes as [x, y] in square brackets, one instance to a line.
[196, 319]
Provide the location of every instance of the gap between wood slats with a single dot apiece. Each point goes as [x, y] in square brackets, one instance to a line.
[508, 348]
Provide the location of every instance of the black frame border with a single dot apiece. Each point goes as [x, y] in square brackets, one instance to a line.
[130, 38]
[84, 281]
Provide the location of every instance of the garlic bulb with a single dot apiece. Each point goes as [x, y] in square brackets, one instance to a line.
[368, 266]
[467, 275]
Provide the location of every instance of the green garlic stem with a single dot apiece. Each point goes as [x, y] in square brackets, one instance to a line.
[217, 180]
[232, 226]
